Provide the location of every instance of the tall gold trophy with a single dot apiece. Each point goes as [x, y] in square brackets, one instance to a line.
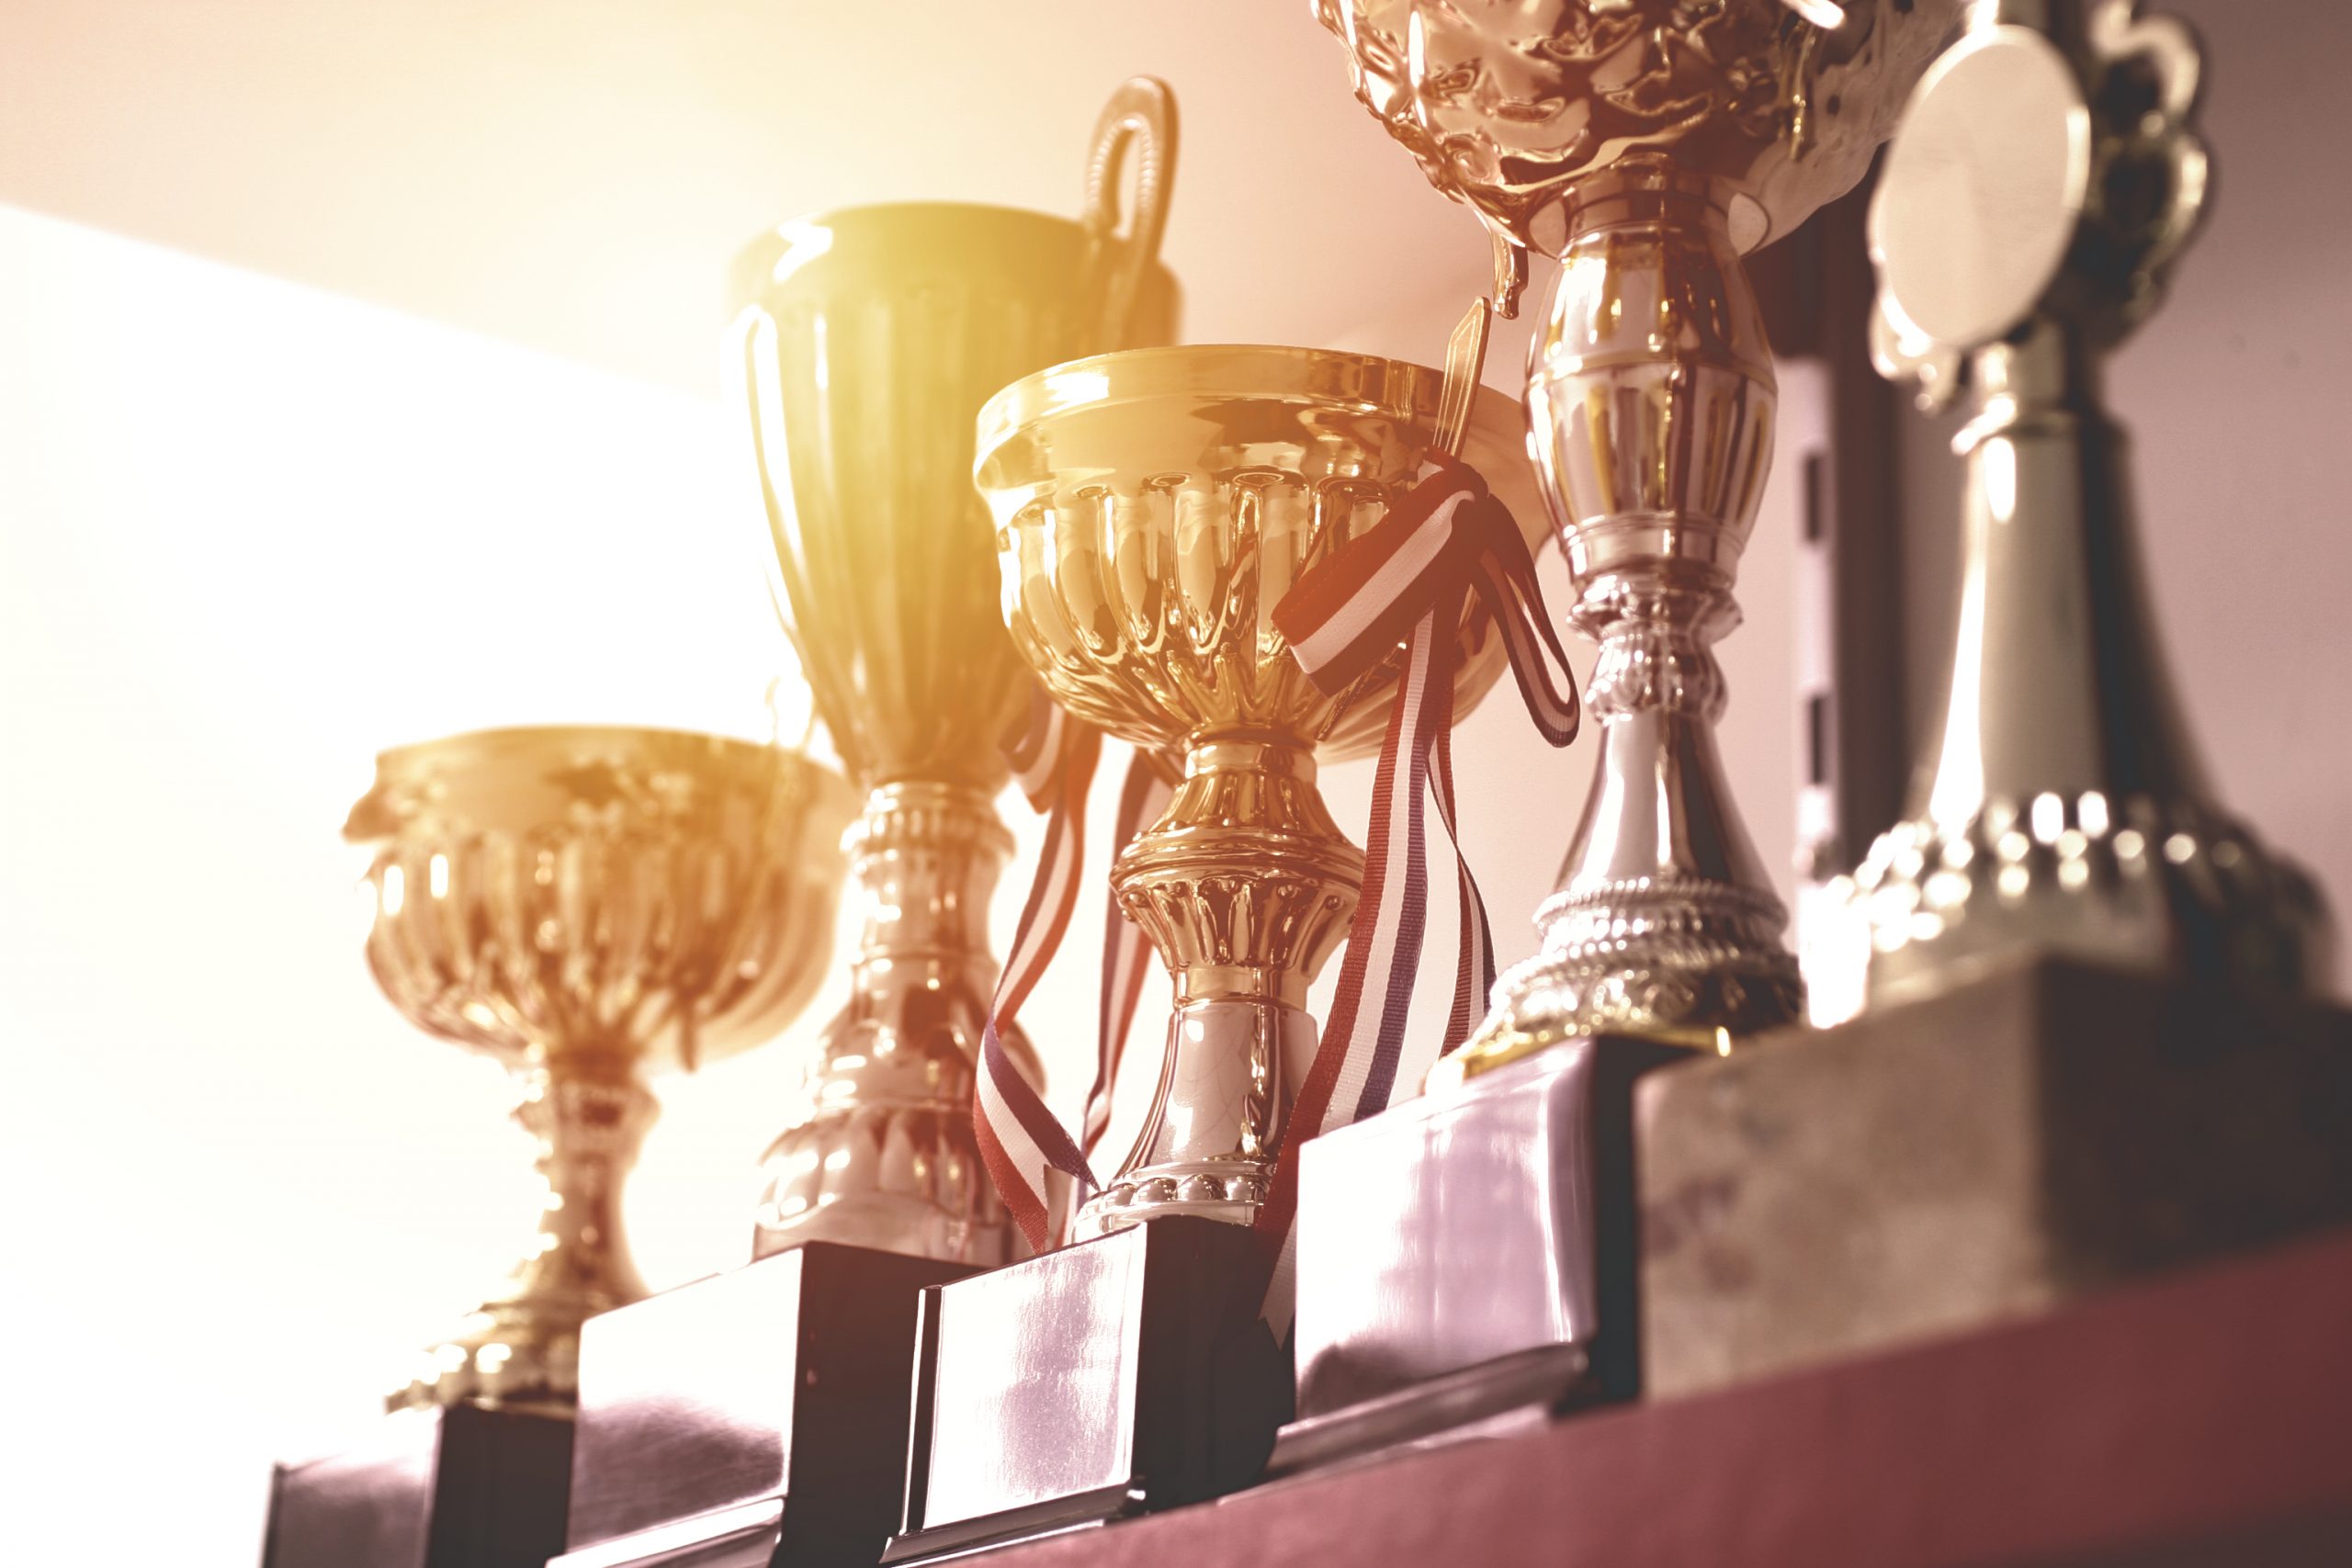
[867, 339]
[1153, 507]
[1473, 1252]
[585, 905]
[761, 1415]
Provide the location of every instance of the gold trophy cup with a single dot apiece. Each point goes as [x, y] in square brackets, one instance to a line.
[585, 905]
[866, 341]
[1152, 509]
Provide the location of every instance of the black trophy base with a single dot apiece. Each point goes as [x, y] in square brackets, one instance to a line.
[1123, 1375]
[1468, 1259]
[754, 1419]
[462, 1487]
[2029, 1136]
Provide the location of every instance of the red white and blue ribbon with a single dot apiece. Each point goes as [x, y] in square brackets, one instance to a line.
[1037, 1165]
[1408, 579]
[1127, 953]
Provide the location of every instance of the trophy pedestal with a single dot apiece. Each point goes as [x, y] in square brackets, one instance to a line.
[756, 1417]
[459, 1487]
[1125, 1374]
[2029, 1135]
[1469, 1257]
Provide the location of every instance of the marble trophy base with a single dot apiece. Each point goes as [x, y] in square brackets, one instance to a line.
[1469, 1257]
[462, 1487]
[1119, 1376]
[2026, 1136]
[754, 1419]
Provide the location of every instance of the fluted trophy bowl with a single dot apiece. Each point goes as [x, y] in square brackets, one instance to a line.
[866, 341]
[1152, 509]
[588, 905]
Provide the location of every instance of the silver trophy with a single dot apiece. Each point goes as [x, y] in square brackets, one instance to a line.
[2086, 1052]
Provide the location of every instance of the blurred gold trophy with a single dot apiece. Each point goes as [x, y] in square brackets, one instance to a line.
[866, 341]
[1647, 144]
[585, 904]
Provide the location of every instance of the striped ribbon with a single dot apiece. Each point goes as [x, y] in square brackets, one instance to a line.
[1126, 952]
[1408, 579]
[1037, 1165]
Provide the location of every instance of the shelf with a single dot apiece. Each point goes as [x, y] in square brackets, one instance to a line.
[2204, 1419]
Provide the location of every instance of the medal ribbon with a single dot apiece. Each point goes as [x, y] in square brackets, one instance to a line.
[1021, 1141]
[1408, 579]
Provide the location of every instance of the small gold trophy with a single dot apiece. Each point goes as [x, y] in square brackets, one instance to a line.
[1153, 507]
[866, 341]
[584, 904]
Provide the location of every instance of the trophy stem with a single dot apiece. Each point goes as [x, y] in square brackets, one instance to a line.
[589, 1112]
[1245, 887]
[883, 1154]
[2064, 808]
[1652, 399]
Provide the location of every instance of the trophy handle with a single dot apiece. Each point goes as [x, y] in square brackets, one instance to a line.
[1139, 119]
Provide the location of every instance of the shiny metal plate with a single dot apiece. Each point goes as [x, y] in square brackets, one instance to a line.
[1037, 1372]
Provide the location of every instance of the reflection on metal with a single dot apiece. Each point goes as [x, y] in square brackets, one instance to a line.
[867, 339]
[584, 904]
[1153, 507]
[1646, 144]
[2043, 182]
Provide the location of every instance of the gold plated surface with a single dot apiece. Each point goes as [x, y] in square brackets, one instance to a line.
[586, 905]
[1152, 508]
[866, 341]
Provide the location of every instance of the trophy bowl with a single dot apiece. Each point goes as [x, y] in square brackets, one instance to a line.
[865, 341]
[587, 905]
[1510, 108]
[1152, 508]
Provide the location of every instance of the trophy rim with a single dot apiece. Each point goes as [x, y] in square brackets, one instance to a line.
[882, 225]
[1495, 441]
[372, 820]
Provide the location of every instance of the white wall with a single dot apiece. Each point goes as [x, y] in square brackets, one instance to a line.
[251, 533]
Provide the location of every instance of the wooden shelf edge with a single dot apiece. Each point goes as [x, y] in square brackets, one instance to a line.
[2203, 1418]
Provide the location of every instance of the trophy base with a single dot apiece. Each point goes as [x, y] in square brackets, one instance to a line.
[2031, 1135]
[460, 1486]
[1118, 1376]
[1470, 1255]
[755, 1417]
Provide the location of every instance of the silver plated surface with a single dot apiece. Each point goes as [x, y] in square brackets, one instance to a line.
[2062, 808]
